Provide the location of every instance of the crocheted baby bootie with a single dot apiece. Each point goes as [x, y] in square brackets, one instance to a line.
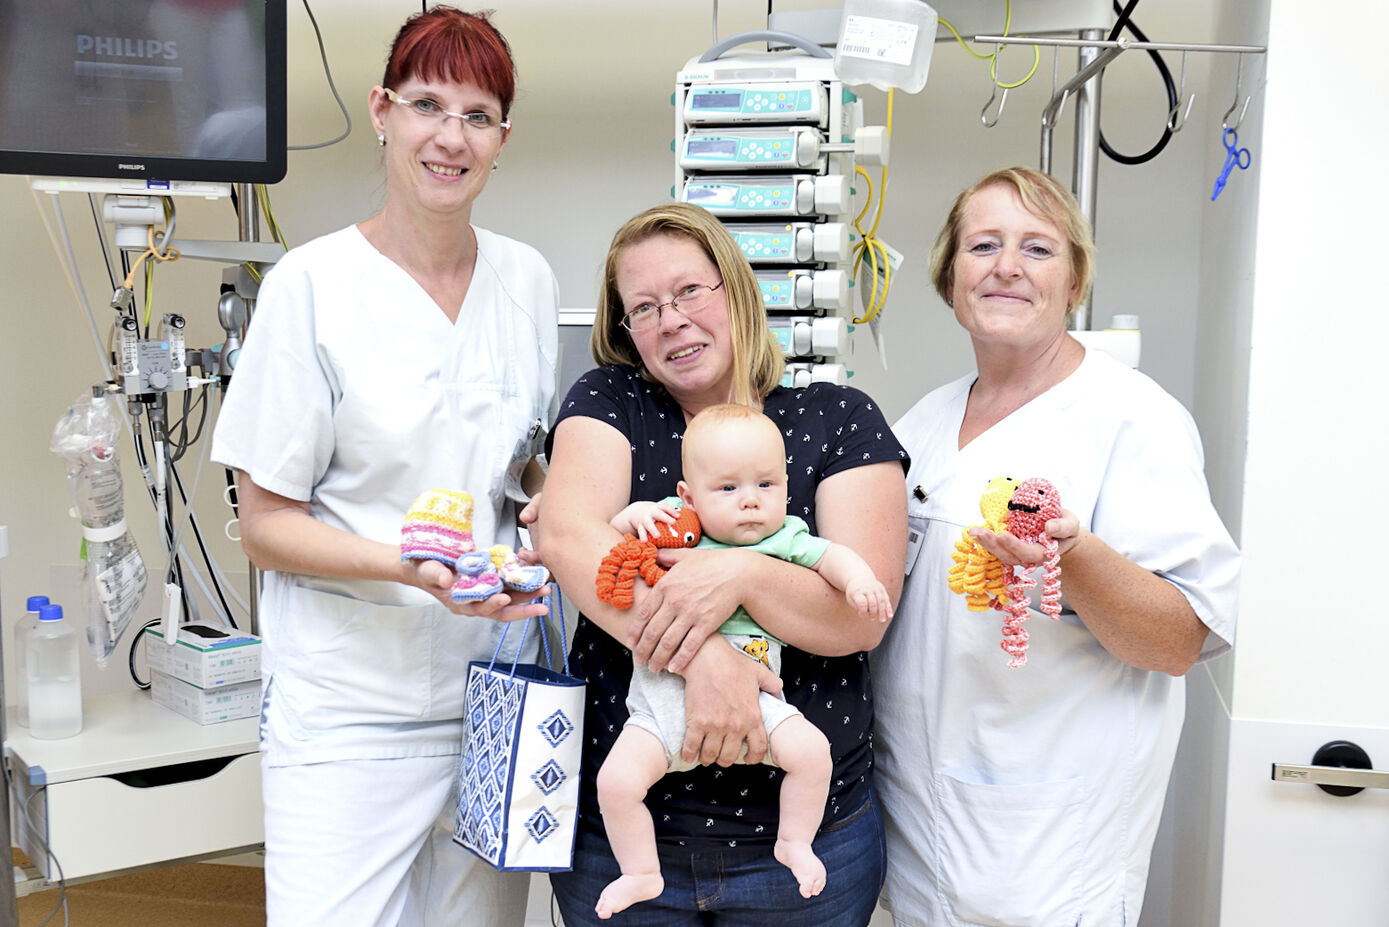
[477, 578]
[438, 526]
[520, 576]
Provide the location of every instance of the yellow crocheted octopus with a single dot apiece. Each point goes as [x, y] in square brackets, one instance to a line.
[975, 573]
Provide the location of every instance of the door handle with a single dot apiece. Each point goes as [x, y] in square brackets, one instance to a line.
[1339, 768]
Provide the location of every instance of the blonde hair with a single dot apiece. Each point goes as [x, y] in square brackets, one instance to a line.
[1045, 198]
[755, 348]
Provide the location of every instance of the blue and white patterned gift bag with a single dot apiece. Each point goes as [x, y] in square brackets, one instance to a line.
[518, 780]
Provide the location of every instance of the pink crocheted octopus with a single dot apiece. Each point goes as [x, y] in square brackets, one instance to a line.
[987, 583]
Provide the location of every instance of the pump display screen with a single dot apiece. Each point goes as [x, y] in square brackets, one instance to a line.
[727, 147]
[711, 194]
[716, 99]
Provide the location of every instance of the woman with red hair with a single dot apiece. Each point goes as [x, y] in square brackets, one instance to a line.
[408, 352]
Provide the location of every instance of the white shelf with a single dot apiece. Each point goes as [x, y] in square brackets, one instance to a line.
[124, 732]
[97, 821]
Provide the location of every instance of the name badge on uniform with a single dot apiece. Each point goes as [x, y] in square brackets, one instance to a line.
[528, 447]
[915, 536]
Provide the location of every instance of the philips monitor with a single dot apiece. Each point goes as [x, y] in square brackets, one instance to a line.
[150, 90]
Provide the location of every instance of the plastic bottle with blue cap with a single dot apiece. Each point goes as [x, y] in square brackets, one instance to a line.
[22, 629]
[53, 676]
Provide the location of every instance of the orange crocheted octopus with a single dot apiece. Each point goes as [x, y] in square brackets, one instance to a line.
[631, 558]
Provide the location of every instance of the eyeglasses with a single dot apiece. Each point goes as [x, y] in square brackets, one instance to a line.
[478, 122]
[691, 299]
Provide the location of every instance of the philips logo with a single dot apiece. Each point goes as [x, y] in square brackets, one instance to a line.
[130, 167]
[116, 46]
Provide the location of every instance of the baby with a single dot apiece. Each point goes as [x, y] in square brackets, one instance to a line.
[734, 464]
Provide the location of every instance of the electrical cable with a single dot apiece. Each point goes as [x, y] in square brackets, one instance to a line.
[26, 811]
[67, 261]
[219, 579]
[187, 515]
[992, 57]
[101, 237]
[868, 243]
[263, 196]
[225, 612]
[141, 684]
[181, 445]
[328, 72]
[1124, 22]
[169, 253]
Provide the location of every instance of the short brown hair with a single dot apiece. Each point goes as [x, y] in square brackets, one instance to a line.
[755, 348]
[1045, 198]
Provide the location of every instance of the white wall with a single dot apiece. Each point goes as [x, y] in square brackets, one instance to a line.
[1307, 669]
[590, 148]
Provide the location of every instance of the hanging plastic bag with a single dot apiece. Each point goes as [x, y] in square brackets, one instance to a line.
[113, 573]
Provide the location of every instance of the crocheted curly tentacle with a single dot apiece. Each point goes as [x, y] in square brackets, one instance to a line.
[1051, 580]
[649, 569]
[959, 559]
[1014, 634]
[1014, 643]
[617, 573]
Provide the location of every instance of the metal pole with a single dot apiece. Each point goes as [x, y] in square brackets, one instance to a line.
[1085, 171]
[1119, 43]
[248, 229]
[9, 903]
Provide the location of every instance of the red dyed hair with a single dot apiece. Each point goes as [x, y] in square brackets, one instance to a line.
[447, 44]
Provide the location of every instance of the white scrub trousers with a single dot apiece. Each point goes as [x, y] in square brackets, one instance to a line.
[381, 852]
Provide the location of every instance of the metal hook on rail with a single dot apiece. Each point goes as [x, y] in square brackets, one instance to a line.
[1055, 117]
[1176, 119]
[1239, 76]
[993, 95]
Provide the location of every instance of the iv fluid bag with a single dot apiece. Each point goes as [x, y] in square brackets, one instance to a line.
[885, 43]
[113, 573]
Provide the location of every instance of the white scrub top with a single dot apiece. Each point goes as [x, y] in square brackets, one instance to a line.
[355, 393]
[1029, 797]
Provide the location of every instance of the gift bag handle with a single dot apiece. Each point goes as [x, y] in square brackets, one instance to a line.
[556, 601]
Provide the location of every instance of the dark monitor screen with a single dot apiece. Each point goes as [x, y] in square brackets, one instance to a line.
[152, 89]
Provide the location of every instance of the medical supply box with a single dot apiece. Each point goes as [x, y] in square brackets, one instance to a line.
[206, 706]
[205, 655]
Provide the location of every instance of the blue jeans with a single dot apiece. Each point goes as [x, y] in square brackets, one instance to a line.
[738, 887]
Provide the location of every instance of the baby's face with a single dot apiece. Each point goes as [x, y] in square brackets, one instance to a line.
[736, 482]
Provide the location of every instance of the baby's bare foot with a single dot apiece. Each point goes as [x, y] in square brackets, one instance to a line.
[627, 890]
[804, 865]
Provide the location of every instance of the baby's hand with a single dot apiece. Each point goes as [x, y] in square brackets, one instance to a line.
[640, 518]
[870, 598]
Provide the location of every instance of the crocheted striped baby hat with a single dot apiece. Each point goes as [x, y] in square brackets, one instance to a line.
[438, 526]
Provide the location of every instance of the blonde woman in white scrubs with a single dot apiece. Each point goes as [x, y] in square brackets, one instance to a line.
[1029, 797]
[408, 352]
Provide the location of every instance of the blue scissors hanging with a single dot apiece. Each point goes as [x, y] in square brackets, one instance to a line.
[1235, 157]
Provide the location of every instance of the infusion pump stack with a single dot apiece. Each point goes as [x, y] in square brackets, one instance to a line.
[767, 143]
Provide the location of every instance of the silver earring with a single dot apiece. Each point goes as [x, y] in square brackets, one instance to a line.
[496, 165]
[381, 140]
